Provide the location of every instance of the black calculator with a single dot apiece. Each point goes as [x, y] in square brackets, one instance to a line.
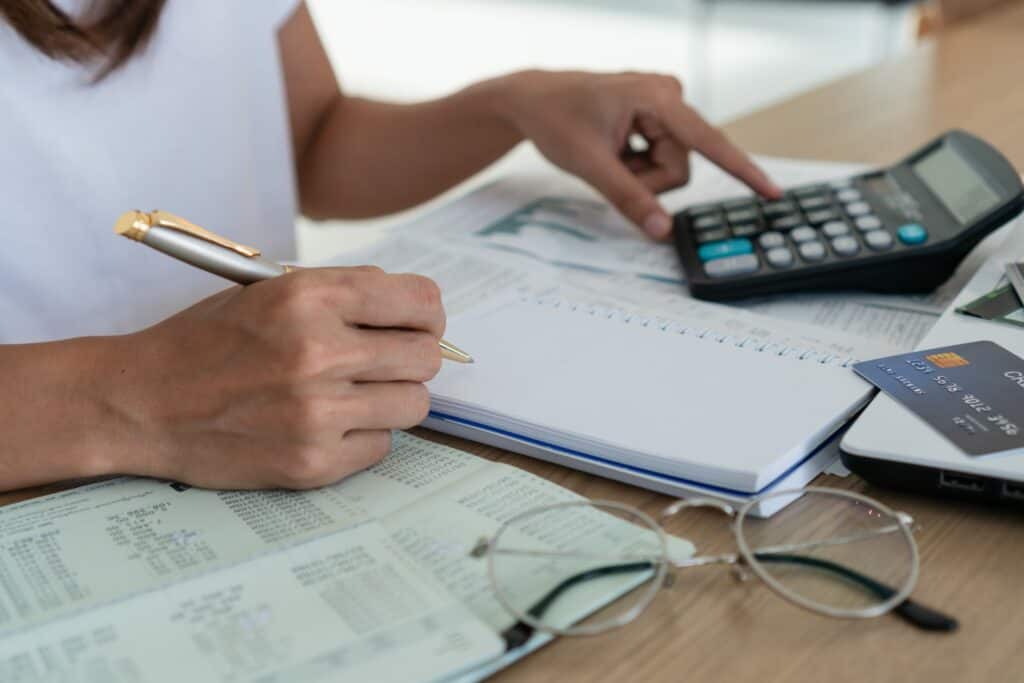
[899, 229]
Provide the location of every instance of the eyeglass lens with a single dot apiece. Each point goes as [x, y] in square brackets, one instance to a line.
[554, 568]
[833, 552]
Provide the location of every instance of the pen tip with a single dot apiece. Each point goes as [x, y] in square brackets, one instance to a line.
[452, 352]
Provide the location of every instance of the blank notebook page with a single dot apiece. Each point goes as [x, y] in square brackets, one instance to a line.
[609, 385]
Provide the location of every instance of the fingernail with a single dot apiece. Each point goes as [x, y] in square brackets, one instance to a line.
[658, 224]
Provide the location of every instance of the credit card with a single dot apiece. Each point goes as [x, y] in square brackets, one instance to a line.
[973, 394]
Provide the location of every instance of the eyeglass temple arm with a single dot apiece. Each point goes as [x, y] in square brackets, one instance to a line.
[520, 632]
[913, 612]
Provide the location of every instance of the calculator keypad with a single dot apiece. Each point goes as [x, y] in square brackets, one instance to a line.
[807, 227]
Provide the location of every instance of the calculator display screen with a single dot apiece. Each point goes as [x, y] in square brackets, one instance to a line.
[962, 189]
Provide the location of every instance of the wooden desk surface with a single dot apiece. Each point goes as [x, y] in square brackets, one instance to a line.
[709, 627]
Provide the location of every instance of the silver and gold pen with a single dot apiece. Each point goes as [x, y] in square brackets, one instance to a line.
[201, 248]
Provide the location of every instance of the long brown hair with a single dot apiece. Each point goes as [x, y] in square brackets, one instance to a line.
[109, 33]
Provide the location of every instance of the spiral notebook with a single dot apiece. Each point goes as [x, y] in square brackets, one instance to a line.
[668, 400]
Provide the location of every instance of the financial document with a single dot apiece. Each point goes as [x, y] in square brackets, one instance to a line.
[557, 223]
[134, 580]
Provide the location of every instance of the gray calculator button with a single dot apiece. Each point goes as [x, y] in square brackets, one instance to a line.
[849, 195]
[823, 216]
[804, 233]
[702, 209]
[745, 229]
[709, 221]
[811, 203]
[715, 235]
[879, 240]
[732, 265]
[835, 228]
[812, 251]
[858, 208]
[787, 223]
[811, 190]
[742, 216]
[845, 245]
[779, 257]
[778, 208]
[771, 240]
[868, 223]
[745, 203]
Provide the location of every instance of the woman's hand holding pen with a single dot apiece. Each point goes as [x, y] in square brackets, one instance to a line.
[293, 382]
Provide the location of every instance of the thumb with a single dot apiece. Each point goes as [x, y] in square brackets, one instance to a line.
[627, 193]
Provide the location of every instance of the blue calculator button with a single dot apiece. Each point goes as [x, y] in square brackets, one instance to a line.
[725, 249]
[912, 234]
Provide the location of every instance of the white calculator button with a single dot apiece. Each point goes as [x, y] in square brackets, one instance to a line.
[858, 208]
[780, 257]
[804, 233]
[732, 265]
[812, 251]
[835, 228]
[771, 240]
[845, 246]
[849, 195]
[868, 223]
[879, 240]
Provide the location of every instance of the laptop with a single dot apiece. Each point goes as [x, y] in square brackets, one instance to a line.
[890, 446]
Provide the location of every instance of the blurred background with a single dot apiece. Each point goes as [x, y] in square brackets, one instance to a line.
[734, 56]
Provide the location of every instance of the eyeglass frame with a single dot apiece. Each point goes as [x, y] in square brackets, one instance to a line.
[745, 558]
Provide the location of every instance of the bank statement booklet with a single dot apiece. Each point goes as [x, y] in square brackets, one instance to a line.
[134, 580]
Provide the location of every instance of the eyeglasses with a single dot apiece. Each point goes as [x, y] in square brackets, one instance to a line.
[556, 568]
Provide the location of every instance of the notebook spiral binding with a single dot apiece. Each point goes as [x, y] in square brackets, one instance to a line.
[748, 343]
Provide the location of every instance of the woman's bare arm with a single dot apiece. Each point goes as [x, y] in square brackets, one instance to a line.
[358, 158]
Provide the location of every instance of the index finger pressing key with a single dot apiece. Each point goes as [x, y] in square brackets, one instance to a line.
[693, 131]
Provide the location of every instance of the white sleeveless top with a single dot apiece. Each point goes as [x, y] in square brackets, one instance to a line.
[196, 124]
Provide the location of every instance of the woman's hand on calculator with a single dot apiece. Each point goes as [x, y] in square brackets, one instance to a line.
[584, 123]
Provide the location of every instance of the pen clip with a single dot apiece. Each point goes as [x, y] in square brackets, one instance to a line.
[135, 225]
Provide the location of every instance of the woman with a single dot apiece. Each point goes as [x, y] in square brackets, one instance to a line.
[228, 112]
